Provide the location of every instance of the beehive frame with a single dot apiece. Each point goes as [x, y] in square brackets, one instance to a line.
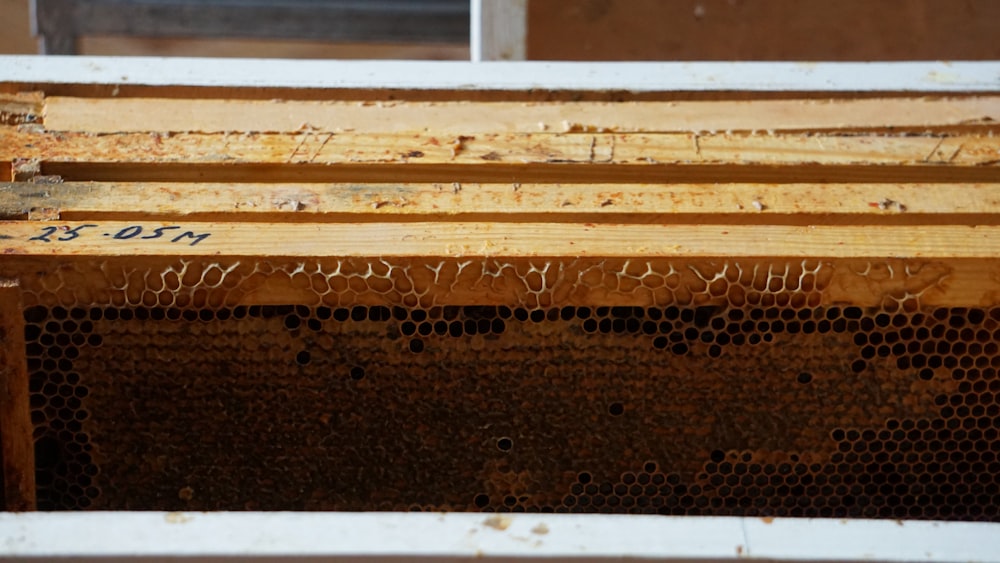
[447, 216]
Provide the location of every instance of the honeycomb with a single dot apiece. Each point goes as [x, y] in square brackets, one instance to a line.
[587, 385]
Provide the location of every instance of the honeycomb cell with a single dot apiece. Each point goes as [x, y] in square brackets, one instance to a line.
[703, 367]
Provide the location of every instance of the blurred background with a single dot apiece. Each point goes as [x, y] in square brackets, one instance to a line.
[605, 30]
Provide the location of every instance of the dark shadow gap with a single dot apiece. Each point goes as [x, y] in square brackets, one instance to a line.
[568, 173]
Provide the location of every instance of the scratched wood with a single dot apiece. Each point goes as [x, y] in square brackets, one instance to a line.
[881, 204]
[25, 107]
[121, 115]
[484, 150]
[310, 156]
[17, 454]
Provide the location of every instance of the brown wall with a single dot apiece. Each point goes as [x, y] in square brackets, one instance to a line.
[15, 29]
[647, 30]
[763, 29]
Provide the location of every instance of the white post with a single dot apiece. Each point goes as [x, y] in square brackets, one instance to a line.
[498, 30]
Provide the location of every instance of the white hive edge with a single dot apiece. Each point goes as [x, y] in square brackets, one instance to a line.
[389, 536]
[907, 76]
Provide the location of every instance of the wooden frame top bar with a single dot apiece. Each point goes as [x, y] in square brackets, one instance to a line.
[479, 239]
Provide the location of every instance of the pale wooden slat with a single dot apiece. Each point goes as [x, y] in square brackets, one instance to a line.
[631, 150]
[642, 203]
[110, 238]
[122, 115]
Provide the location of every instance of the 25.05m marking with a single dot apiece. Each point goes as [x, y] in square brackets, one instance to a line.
[171, 233]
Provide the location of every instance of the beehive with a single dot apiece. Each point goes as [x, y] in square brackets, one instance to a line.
[525, 306]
